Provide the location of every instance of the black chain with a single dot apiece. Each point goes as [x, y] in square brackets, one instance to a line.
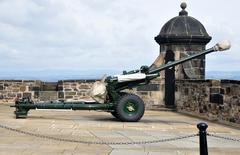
[224, 137]
[95, 142]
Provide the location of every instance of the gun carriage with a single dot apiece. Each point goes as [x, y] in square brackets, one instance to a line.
[108, 94]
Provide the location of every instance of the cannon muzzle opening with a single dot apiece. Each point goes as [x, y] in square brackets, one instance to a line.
[222, 46]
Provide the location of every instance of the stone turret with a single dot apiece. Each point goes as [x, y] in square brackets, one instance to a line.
[181, 36]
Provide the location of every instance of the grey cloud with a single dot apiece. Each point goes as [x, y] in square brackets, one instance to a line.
[103, 34]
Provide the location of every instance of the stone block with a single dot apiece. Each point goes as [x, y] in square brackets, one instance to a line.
[11, 95]
[79, 93]
[14, 81]
[215, 90]
[70, 93]
[75, 89]
[92, 80]
[67, 89]
[227, 90]
[61, 94]
[15, 90]
[35, 88]
[186, 91]
[215, 82]
[27, 94]
[73, 84]
[196, 63]
[84, 86]
[1, 87]
[235, 90]
[149, 87]
[36, 94]
[216, 98]
[49, 86]
[22, 88]
[19, 95]
[28, 81]
[68, 97]
[86, 94]
[48, 95]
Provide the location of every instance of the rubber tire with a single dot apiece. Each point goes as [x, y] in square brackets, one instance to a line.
[114, 114]
[121, 114]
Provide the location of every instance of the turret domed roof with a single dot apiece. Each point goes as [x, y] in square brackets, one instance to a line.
[183, 29]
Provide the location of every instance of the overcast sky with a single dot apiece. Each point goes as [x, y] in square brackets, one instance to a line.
[105, 34]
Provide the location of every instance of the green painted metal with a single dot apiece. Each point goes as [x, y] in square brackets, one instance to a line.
[24, 105]
[66, 105]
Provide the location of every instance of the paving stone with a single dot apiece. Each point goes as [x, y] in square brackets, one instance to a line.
[96, 126]
[165, 153]
[128, 152]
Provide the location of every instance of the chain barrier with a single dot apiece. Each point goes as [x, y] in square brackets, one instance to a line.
[224, 137]
[112, 143]
[95, 142]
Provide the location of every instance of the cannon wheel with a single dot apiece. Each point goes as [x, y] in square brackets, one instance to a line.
[114, 114]
[130, 108]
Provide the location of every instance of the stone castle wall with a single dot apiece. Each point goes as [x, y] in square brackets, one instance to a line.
[152, 94]
[69, 90]
[213, 99]
[12, 89]
[37, 90]
[74, 89]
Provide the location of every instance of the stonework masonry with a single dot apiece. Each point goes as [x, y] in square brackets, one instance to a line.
[12, 89]
[213, 99]
[74, 89]
[44, 91]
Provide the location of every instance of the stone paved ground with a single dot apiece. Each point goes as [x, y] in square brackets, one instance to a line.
[100, 126]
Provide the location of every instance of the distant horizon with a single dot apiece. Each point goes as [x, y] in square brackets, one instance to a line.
[52, 75]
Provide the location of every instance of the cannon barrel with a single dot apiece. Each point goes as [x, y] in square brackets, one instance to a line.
[137, 77]
[221, 46]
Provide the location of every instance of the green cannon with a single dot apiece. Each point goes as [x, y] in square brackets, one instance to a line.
[108, 94]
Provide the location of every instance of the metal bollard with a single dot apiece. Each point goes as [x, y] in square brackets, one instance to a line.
[203, 138]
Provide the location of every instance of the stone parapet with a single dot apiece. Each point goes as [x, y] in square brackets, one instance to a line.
[213, 99]
[74, 89]
[12, 89]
